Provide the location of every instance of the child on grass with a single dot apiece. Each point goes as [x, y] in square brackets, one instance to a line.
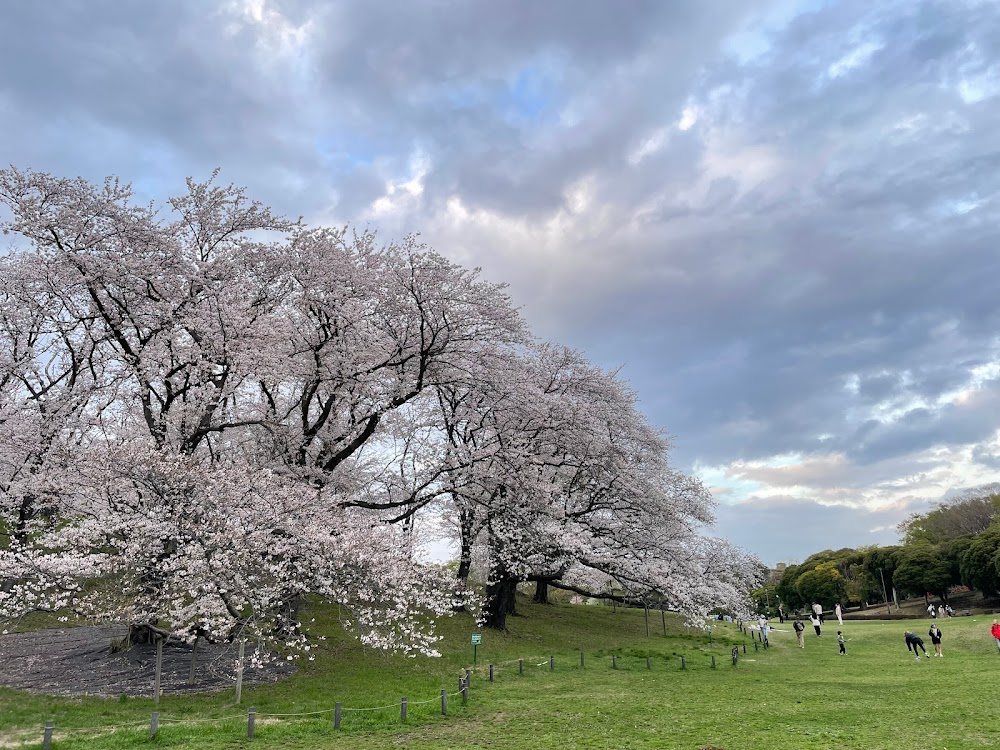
[840, 642]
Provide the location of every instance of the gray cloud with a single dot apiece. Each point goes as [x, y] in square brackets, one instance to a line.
[806, 269]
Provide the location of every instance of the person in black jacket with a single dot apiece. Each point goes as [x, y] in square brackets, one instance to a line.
[935, 634]
[914, 642]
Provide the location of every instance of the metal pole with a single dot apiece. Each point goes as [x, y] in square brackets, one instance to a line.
[239, 673]
[159, 670]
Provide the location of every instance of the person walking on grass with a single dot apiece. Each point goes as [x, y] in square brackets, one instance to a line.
[840, 614]
[800, 632]
[840, 642]
[816, 622]
[818, 611]
[914, 642]
[995, 632]
[935, 634]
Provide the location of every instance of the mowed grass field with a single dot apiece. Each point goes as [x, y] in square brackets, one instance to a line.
[782, 698]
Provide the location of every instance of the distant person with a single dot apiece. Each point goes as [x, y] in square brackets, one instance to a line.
[816, 622]
[931, 612]
[764, 629]
[935, 634]
[781, 615]
[948, 610]
[840, 642]
[837, 611]
[818, 611]
[914, 642]
[800, 632]
[995, 632]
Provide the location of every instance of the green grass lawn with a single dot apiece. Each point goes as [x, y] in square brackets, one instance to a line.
[782, 698]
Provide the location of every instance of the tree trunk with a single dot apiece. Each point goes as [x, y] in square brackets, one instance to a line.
[464, 561]
[541, 592]
[500, 602]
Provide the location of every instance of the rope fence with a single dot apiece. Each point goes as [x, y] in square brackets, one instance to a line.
[491, 672]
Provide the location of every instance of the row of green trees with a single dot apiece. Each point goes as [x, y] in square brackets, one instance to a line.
[957, 543]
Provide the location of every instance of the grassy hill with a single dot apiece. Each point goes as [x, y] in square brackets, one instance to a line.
[782, 698]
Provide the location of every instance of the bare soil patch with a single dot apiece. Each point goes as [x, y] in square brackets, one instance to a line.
[79, 661]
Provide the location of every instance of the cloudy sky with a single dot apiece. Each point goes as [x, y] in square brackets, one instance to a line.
[780, 217]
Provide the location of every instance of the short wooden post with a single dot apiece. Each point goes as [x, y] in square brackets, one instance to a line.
[683, 663]
[336, 715]
[251, 720]
[444, 702]
[736, 655]
[614, 662]
[646, 610]
[491, 673]
[648, 663]
[755, 645]
[402, 709]
[47, 737]
[663, 619]
[520, 666]
[465, 692]
[552, 663]
[461, 683]
[239, 672]
[581, 660]
[154, 724]
[468, 677]
[159, 670]
[713, 661]
[744, 648]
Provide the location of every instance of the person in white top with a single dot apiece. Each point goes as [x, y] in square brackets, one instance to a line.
[839, 613]
[818, 611]
[816, 622]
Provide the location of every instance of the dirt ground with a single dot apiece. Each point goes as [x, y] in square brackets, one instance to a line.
[78, 661]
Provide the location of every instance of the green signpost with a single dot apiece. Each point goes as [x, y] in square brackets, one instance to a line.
[477, 638]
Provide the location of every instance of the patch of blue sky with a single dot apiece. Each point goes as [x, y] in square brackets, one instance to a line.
[530, 96]
[350, 149]
[756, 39]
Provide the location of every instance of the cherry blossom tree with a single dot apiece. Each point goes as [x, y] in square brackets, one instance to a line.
[208, 412]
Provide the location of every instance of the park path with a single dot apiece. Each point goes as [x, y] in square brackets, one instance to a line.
[78, 661]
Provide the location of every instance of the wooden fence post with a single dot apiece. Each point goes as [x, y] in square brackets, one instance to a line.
[444, 702]
[251, 720]
[581, 660]
[465, 692]
[552, 663]
[744, 648]
[402, 709]
[154, 724]
[683, 663]
[614, 662]
[336, 715]
[47, 737]
[648, 663]
[755, 645]
[663, 619]
[520, 666]
[713, 661]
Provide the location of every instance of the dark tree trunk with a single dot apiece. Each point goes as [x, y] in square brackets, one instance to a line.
[464, 560]
[541, 592]
[500, 602]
